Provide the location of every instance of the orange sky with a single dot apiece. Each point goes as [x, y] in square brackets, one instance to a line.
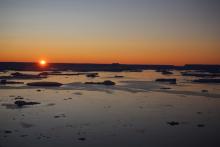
[111, 52]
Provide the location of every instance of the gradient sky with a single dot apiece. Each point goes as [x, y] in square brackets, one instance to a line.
[105, 31]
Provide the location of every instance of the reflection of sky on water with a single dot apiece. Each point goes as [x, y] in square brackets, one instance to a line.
[183, 82]
[118, 118]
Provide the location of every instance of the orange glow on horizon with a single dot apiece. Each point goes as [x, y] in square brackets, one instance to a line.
[140, 51]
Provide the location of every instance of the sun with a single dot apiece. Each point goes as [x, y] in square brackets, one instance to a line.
[42, 62]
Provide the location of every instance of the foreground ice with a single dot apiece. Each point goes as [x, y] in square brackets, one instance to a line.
[136, 112]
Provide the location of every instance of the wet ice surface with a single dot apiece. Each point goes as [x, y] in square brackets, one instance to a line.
[135, 112]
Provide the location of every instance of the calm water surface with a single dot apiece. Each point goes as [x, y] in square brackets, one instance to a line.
[118, 116]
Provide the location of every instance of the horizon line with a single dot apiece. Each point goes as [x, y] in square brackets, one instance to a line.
[111, 63]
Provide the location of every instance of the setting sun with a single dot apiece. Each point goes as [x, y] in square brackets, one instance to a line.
[42, 62]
